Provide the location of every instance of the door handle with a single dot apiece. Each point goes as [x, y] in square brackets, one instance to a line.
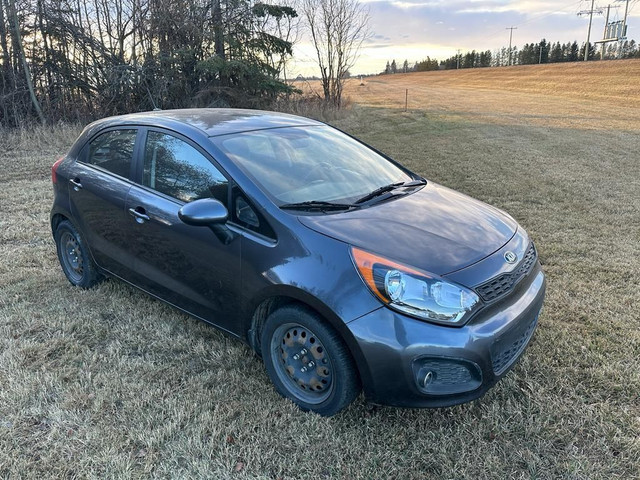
[139, 214]
[75, 183]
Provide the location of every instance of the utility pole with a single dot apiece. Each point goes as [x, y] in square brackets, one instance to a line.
[604, 35]
[511, 38]
[624, 23]
[458, 59]
[590, 13]
[586, 48]
[540, 61]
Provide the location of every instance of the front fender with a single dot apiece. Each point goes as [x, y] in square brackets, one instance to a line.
[316, 271]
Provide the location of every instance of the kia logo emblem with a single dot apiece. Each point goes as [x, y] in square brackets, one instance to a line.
[510, 257]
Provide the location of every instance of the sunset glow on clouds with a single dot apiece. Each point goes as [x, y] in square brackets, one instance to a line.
[415, 29]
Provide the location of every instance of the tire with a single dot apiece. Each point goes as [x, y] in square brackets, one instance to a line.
[308, 362]
[74, 257]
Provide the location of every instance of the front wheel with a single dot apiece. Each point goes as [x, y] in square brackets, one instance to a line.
[308, 362]
[74, 257]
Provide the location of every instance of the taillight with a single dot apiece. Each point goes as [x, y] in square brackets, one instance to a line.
[54, 170]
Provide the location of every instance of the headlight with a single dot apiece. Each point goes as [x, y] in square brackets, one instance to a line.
[414, 292]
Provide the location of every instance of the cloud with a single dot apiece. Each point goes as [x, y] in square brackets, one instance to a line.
[406, 5]
[415, 29]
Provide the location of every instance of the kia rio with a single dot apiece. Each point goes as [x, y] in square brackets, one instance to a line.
[344, 270]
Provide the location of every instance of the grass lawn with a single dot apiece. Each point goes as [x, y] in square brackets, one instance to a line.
[111, 383]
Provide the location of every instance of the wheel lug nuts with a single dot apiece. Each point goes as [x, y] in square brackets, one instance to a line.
[297, 356]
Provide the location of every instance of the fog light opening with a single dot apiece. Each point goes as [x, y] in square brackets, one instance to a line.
[427, 378]
[446, 376]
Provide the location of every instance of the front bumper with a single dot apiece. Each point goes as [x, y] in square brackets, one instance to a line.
[411, 363]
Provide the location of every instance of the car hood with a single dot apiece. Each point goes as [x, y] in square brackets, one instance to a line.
[435, 229]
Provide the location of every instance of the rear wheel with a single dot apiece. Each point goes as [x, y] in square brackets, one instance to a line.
[308, 362]
[74, 257]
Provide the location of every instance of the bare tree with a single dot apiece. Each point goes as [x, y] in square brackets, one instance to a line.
[337, 29]
[80, 59]
[17, 40]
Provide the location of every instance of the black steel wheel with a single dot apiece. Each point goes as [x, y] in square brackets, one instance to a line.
[76, 262]
[308, 362]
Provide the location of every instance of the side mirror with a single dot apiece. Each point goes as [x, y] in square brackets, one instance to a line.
[204, 212]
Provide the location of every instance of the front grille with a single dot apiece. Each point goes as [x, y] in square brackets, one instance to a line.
[503, 284]
[502, 356]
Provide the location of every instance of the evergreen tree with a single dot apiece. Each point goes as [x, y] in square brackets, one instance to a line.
[97, 58]
[630, 49]
[543, 51]
[426, 65]
[515, 53]
[504, 57]
[527, 56]
[405, 66]
[591, 51]
[485, 59]
[394, 67]
[574, 52]
[556, 53]
[469, 60]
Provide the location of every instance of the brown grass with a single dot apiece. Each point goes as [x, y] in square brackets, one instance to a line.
[110, 383]
[596, 95]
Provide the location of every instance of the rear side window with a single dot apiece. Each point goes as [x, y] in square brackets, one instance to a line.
[113, 151]
[175, 168]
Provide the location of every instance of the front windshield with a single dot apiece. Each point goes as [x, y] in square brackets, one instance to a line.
[305, 164]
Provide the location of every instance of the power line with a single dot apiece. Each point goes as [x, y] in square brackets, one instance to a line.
[541, 16]
[549, 14]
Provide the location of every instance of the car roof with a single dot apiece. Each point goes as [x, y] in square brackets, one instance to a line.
[212, 121]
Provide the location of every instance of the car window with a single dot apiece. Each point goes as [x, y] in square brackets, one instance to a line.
[300, 164]
[177, 169]
[113, 151]
[246, 215]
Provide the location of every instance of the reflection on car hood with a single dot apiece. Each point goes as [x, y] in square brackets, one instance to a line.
[435, 229]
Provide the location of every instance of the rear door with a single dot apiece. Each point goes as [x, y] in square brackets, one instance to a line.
[98, 186]
[185, 265]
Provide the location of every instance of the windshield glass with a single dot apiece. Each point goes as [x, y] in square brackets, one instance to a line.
[303, 164]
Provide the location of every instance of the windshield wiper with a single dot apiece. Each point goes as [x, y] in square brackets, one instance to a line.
[388, 188]
[317, 205]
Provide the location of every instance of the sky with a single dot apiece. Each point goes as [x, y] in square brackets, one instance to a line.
[415, 29]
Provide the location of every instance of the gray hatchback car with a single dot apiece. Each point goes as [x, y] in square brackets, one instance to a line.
[341, 268]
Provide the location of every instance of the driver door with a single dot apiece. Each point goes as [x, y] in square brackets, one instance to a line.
[188, 266]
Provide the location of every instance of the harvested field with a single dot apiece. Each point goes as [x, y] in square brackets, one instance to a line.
[111, 383]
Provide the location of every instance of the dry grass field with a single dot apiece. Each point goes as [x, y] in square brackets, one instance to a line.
[109, 383]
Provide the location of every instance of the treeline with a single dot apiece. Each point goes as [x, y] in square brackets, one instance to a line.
[533, 53]
[80, 59]
[471, 59]
[423, 66]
